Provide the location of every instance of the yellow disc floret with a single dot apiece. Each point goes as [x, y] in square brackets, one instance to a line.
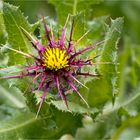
[55, 58]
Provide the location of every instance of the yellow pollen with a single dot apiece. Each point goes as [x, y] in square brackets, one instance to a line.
[55, 58]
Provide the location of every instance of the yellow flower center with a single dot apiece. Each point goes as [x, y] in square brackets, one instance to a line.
[55, 58]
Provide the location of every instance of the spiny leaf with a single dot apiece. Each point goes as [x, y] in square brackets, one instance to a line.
[108, 72]
[109, 54]
[73, 108]
[13, 19]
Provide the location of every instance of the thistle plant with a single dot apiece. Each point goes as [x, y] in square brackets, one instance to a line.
[60, 71]
[57, 63]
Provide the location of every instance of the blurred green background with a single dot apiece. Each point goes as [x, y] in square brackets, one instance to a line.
[129, 59]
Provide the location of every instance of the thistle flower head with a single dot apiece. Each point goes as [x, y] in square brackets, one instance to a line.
[56, 64]
[55, 58]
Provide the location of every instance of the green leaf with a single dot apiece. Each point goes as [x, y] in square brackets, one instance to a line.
[11, 96]
[108, 72]
[24, 125]
[74, 108]
[14, 19]
[73, 7]
[18, 126]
